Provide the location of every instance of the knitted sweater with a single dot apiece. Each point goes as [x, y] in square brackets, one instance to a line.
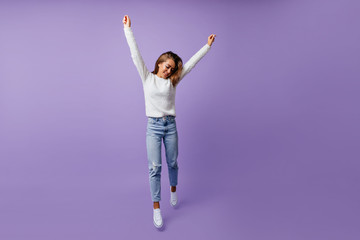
[159, 92]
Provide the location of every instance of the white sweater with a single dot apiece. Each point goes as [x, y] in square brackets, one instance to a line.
[159, 92]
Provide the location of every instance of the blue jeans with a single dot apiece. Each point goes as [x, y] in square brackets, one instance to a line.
[158, 129]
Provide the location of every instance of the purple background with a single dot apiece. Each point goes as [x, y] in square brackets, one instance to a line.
[268, 120]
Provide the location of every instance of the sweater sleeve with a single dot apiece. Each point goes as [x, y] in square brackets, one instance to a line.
[135, 54]
[190, 64]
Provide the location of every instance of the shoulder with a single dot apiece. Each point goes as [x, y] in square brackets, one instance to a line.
[150, 77]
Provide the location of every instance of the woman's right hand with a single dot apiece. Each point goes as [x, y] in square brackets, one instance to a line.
[126, 21]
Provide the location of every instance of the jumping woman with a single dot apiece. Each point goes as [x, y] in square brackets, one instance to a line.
[159, 91]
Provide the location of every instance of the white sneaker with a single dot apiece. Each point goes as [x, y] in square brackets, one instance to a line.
[173, 198]
[158, 221]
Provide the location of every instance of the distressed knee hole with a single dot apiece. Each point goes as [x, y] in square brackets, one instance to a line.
[156, 164]
[154, 167]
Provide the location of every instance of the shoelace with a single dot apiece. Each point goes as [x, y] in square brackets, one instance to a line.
[157, 216]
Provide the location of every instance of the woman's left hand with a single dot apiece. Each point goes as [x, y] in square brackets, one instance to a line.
[211, 39]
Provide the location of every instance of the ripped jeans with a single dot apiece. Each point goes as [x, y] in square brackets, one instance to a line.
[158, 129]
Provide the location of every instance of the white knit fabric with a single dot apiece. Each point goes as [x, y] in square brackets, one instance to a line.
[159, 92]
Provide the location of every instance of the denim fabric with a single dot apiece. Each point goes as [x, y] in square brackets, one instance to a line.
[158, 130]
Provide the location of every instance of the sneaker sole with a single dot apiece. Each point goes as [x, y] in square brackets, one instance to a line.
[157, 226]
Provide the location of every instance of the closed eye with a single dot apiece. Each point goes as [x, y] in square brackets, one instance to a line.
[172, 69]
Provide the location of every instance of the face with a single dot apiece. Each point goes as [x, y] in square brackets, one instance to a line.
[166, 68]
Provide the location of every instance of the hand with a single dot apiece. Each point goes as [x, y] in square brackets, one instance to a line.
[211, 39]
[126, 21]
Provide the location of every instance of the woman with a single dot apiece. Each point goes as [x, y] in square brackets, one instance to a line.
[159, 91]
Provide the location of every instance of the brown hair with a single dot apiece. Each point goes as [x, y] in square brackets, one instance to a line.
[175, 75]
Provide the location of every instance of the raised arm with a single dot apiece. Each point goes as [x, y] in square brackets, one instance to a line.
[135, 53]
[190, 64]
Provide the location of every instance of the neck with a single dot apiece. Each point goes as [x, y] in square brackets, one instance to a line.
[160, 76]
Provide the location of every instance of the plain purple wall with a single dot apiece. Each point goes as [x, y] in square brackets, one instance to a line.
[268, 120]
